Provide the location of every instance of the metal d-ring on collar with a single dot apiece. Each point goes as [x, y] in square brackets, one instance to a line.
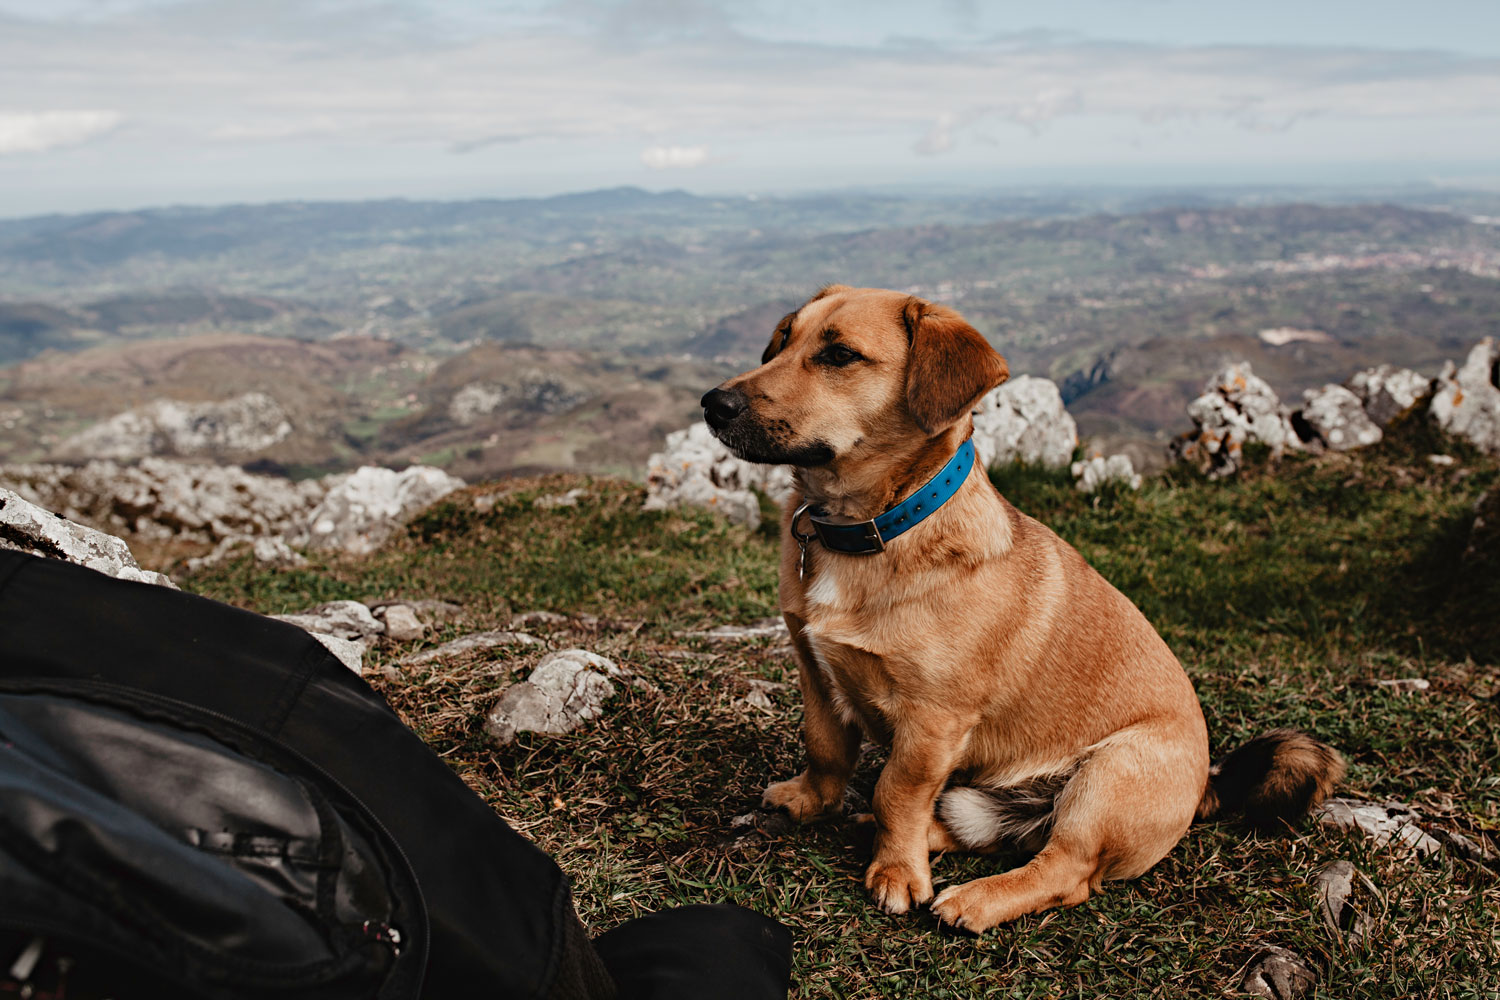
[864, 538]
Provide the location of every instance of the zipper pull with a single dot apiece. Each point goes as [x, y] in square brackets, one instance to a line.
[385, 934]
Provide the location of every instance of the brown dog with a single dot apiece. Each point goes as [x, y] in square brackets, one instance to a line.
[978, 645]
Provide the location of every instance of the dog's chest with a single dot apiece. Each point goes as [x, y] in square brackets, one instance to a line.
[851, 647]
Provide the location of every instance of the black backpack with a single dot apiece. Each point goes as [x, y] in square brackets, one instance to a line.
[196, 800]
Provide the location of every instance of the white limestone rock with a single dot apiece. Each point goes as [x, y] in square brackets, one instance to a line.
[1386, 391]
[401, 622]
[345, 619]
[245, 424]
[697, 470]
[1024, 419]
[565, 690]
[1466, 401]
[1336, 415]
[1095, 471]
[164, 499]
[475, 400]
[25, 527]
[350, 652]
[469, 643]
[360, 511]
[1236, 408]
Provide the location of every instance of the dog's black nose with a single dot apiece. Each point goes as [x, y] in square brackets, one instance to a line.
[721, 406]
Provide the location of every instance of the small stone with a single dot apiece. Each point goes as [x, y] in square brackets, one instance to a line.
[551, 501]
[1442, 461]
[469, 643]
[531, 618]
[1279, 974]
[350, 652]
[1405, 684]
[566, 689]
[764, 628]
[345, 619]
[276, 552]
[401, 622]
[1096, 471]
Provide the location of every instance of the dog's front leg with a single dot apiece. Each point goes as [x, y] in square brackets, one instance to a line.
[923, 755]
[832, 744]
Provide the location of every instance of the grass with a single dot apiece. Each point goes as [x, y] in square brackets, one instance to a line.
[1286, 593]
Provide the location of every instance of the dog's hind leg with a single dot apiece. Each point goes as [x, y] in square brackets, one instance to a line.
[1125, 808]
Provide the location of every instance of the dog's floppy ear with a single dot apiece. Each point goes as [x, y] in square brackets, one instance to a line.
[778, 337]
[948, 367]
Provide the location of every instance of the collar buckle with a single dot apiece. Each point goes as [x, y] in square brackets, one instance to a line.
[861, 538]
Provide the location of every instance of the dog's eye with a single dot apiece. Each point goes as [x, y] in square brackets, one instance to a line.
[838, 355]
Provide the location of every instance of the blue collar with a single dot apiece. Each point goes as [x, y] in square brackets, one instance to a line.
[868, 537]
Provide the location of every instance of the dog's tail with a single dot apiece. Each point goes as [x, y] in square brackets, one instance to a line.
[1276, 778]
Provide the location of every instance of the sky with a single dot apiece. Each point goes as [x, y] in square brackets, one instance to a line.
[115, 104]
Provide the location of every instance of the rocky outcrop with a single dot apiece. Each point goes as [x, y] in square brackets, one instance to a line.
[1387, 392]
[1466, 400]
[345, 619]
[1236, 408]
[227, 507]
[160, 499]
[1096, 471]
[1024, 420]
[362, 510]
[25, 527]
[1338, 419]
[345, 628]
[697, 470]
[243, 425]
[475, 400]
[565, 690]
[534, 390]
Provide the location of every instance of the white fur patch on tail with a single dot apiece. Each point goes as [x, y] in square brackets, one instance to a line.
[1021, 813]
[971, 816]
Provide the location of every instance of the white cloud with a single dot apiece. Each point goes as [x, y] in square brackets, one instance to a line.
[39, 131]
[669, 157]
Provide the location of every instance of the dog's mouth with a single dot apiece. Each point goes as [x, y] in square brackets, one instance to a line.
[733, 422]
[751, 443]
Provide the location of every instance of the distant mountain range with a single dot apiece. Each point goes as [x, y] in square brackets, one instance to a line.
[1127, 298]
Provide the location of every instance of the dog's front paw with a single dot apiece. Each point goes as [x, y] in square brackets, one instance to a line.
[799, 797]
[968, 907]
[898, 887]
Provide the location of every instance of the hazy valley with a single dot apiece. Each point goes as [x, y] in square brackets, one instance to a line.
[572, 333]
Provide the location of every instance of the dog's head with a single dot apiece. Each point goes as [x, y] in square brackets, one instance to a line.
[854, 371]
